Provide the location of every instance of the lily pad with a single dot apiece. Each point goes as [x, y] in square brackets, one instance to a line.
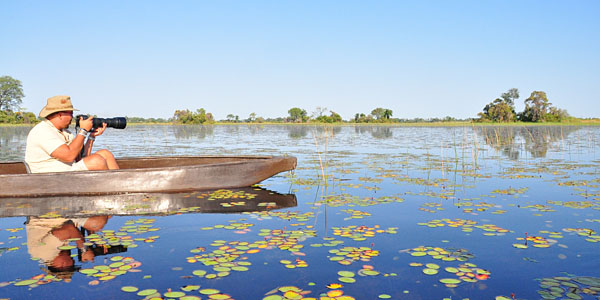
[370, 272]
[129, 289]
[432, 266]
[347, 279]
[591, 281]
[346, 274]
[450, 281]
[88, 271]
[219, 296]
[430, 271]
[174, 294]
[26, 282]
[208, 291]
[67, 247]
[146, 292]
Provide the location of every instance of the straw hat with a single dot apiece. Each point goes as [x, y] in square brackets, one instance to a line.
[56, 104]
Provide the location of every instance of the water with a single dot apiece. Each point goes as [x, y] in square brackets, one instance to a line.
[461, 199]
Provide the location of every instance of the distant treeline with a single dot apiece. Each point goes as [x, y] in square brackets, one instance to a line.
[299, 115]
[500, 110]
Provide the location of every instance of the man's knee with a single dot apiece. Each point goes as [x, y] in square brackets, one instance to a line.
[111, 162]
[105, 153]
[95, 162]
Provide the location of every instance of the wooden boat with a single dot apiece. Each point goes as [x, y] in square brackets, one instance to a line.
[237, 200]
[145, 175]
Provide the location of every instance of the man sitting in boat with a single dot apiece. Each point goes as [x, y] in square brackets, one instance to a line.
[51, 147]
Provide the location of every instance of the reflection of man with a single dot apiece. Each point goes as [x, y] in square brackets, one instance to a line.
[52, 148]
[45, 236]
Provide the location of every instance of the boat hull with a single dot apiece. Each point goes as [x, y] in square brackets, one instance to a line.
[146, 175]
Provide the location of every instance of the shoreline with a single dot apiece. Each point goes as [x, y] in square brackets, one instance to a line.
[595, 122]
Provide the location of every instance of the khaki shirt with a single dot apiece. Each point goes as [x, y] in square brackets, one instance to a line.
[42, 140]
[41, 244]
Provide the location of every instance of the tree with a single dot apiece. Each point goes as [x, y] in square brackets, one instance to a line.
[297, 114]
[556, 114]
[319, 111]
[510, 96]
[230, 117]
[378, 113]
[210, 118]
[182, 116]
[536, 107]
[382, 114]
[199, 117]
[497, 111]
[333, 118]
[11, 93]
[387, 114]
[362, 118]
[252, 117]
[501, 109]
[188, 117]
[448, 119]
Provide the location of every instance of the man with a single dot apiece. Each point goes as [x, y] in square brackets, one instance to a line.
[53, 148]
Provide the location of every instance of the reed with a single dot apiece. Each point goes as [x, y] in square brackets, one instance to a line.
[322, 154]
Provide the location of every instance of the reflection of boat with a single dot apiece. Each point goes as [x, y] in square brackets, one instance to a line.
[207, 201]
[145, 174]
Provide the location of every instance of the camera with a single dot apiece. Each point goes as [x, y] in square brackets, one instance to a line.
[117, 122]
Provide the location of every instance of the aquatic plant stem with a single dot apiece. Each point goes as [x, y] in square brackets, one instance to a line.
[322, 165]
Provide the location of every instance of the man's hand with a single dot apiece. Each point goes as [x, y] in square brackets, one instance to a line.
[98, 131]
[86, 124]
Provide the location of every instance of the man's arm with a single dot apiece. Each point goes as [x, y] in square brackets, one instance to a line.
[68, 153]
[90, 141]
[88, 147]
[68, 231]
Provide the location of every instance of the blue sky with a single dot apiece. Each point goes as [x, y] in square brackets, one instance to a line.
[418, 58]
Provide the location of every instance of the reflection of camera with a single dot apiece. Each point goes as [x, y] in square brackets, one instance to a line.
[118, 122]
[101, 250]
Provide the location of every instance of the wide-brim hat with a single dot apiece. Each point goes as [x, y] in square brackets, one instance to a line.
[56, 104]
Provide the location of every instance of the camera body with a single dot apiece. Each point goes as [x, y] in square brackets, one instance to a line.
[117, 122]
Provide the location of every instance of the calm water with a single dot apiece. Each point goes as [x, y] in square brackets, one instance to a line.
[371, 212]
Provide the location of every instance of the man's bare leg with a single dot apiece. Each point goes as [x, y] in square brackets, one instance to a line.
[95, 162]
[111, 162]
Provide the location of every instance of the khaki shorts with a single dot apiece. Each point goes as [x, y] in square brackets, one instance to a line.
[79, 166]
[56, 166]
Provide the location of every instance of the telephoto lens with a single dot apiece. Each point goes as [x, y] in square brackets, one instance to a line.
[117, 122]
